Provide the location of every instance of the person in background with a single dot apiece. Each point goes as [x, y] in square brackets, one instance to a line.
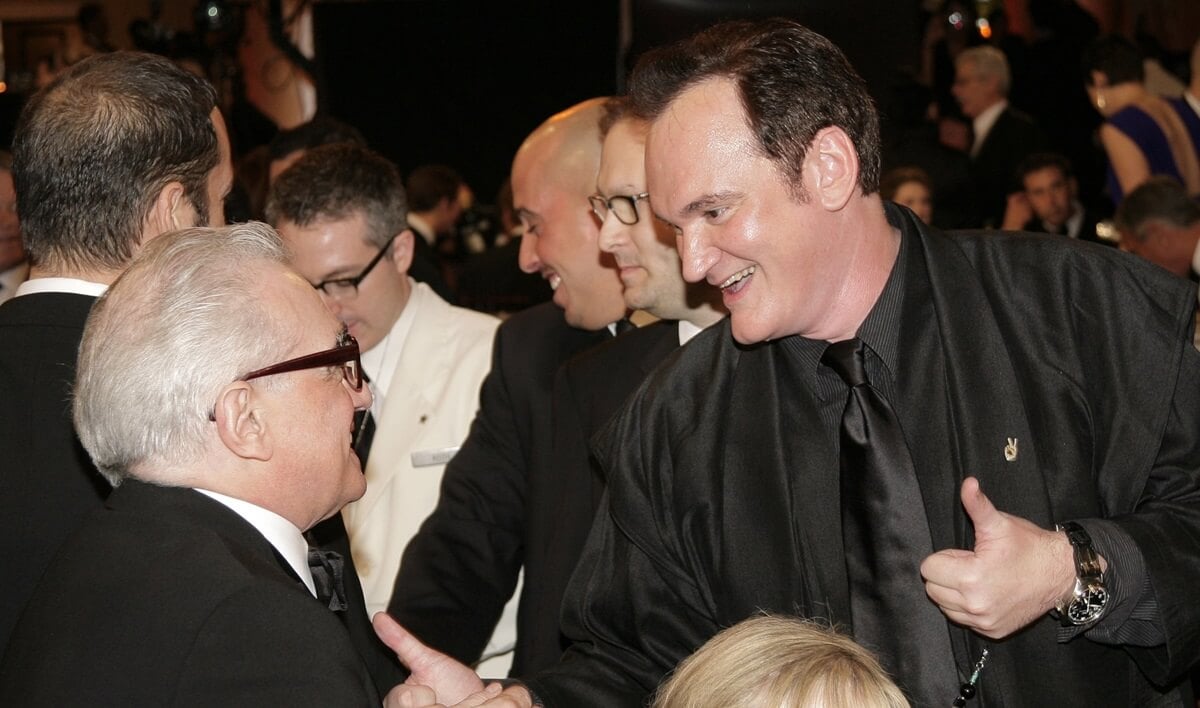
[776, 661]
[14, 266]
[909, 187]
[1048, 201]
[1142, 134]
[290, 145]
[1159, 222]
[1002, 135]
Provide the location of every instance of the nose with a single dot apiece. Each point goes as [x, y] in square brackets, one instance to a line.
[613, 234]
[695, 255]
[362, 398]
[527, 257]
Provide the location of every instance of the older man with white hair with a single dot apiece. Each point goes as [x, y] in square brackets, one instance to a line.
[216, 393]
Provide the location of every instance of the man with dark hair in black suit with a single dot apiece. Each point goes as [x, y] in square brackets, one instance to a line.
[1048, 201]
[905, 433]
[83, 218]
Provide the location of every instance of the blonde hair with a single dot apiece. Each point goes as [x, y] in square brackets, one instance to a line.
[780, 662]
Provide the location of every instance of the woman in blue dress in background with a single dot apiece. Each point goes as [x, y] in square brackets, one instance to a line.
[1142, 134]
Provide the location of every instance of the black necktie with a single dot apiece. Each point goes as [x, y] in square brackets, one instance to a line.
[364, 433]
[624, 325]
[886, 536]
[327, 572]
[364, 430]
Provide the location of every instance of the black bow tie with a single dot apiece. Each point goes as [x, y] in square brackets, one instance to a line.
[327, 571]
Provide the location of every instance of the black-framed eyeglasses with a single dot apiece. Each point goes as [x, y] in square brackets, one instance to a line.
[345, 354]
[339, 288]
[623, 206]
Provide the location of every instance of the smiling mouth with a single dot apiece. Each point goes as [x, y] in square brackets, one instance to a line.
[738, 277]
[554, 280]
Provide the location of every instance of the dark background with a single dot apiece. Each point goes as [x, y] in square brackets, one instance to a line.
[462, 82]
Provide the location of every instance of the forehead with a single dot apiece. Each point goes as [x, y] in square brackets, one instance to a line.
[1046, 175]
[701, 135]
[349, 232]
[295, 303]
[623, 157]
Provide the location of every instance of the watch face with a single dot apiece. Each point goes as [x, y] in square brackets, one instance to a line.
[1088, 606]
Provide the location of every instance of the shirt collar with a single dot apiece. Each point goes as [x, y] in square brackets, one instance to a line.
[983, 123]
[279, 532]
[61, 285]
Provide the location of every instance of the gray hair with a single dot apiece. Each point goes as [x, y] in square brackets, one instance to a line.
[179, 325]
[989, 62]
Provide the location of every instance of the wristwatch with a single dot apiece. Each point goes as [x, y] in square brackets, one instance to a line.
[1086, 604]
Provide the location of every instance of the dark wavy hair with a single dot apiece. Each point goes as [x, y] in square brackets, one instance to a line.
[793, 83]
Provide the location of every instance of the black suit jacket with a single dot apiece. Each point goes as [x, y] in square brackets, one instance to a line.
[588, 390]
[460, 569]
[994, 168]
[48, 484]
[718, 507]
[167, 597]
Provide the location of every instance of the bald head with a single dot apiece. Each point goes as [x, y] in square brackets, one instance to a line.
[553, 174]
[565, 149]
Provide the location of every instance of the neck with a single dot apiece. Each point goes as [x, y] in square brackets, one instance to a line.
[871, 247]
[102, 276]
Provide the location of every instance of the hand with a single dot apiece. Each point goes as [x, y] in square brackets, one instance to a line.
[1017, 572]
[1017, 212]
[407, 696]
[451, 681]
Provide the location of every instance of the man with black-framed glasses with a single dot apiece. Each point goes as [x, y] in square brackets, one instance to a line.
[341, 209]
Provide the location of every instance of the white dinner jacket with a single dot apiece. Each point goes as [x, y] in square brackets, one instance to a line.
[431, 400]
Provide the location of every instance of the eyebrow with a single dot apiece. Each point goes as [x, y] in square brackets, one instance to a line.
[707, 202]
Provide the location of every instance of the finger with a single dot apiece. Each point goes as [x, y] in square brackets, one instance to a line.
[946, 565]
[406, 696]
[983, 514]
[411, 652]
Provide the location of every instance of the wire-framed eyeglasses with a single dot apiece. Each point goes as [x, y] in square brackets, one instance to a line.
[623, 206]
[341, 288]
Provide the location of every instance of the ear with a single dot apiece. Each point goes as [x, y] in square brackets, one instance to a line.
[171, 211]
[831, 168]
[241, 424]
[1099, 79]
[402, 251]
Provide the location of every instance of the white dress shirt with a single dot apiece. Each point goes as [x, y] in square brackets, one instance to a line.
[61, 285]
[983, 123]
